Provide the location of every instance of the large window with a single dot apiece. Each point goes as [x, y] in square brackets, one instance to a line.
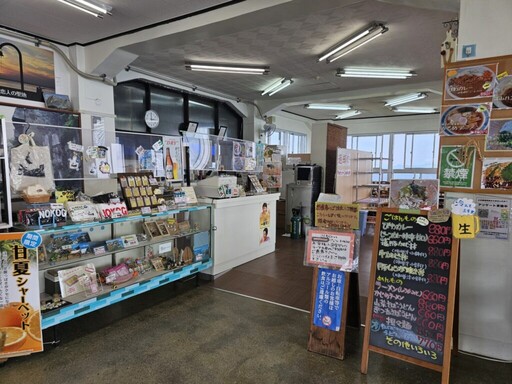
[293, 141]
[400, 155]
[175, 108]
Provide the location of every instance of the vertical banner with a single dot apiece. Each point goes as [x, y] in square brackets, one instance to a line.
[20, 315]
[329, 299]
[173, 157]
[264, 222]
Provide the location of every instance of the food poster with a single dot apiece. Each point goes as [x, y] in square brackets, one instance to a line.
[497, 173]
[465, 119]
[330, 289]
[456, 167]
[499, 136]
[175, 168]
[414, 194]
[494, 214]
[471, 82]
[502, 95]
[20, 315]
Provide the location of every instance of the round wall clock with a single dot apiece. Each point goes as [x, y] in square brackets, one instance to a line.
[151, 118]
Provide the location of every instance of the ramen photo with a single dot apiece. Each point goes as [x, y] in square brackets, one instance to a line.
[465, 120]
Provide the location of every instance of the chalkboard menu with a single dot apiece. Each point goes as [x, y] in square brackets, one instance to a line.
[410, 309]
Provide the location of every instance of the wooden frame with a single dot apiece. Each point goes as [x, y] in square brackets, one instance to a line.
[152, 229]
[444, 368]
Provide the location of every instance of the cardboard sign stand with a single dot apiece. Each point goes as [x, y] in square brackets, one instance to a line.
[443, 368]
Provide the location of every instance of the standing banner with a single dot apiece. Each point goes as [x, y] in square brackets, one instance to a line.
[20, 315]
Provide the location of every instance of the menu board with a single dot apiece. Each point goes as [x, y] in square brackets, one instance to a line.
[410, 310]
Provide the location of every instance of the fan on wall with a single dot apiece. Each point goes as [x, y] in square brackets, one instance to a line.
[269, 127]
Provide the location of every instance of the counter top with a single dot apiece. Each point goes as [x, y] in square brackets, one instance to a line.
[236, 201]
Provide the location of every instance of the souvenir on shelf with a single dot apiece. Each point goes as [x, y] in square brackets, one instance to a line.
[139, 190]
[43, 215]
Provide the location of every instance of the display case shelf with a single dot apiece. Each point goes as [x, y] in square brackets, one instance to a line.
[81, 304]
[43, 266]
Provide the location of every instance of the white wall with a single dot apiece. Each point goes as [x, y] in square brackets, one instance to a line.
[294, 125]
[486, 24]
[397, 124]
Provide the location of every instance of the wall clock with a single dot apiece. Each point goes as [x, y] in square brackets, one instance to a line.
[151, 118]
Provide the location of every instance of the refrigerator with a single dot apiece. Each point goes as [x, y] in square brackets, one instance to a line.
[303, 194]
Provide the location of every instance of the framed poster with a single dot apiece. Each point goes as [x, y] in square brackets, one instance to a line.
[497, 173]
[330, 248]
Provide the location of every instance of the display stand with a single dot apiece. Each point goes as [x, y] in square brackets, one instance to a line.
[323, 340]
[412, 291]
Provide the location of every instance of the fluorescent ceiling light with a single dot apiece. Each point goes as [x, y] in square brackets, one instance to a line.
[227, 69]
[405, 99]
[352, 112]
[355, 41]
[414, 110]
[94, 8]
[280, 87]
[329, 107]
[273, 86]
[376, 73]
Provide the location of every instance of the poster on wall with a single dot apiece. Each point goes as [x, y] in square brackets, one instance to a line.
[497, 173]
[343, 163]
[502, 95]
[455, 172]
[414, 194]
[20, 315]
[470, 82]
[328, 304]
[494, 214]
[499, 137]
[465, 119]
[26, 71]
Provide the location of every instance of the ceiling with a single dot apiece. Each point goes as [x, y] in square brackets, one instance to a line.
[286, 36]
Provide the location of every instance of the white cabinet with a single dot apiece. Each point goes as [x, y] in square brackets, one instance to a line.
[238, 231]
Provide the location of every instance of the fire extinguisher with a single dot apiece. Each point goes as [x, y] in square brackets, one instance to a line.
[296, 223]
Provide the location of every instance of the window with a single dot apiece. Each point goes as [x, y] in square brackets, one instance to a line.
[133, 98]
[293, 141]
[202, 111]
[404, 155]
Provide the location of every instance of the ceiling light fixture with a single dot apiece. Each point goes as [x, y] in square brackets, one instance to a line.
[94, 8]
[273, 86]
[227, 69]
[375, 73]
[282, 85]
[355, 41]
[405, 99]
[328, 107]
[414, 110]
[352, 112]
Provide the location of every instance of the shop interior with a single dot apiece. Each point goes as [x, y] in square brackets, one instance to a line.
[171, 163]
